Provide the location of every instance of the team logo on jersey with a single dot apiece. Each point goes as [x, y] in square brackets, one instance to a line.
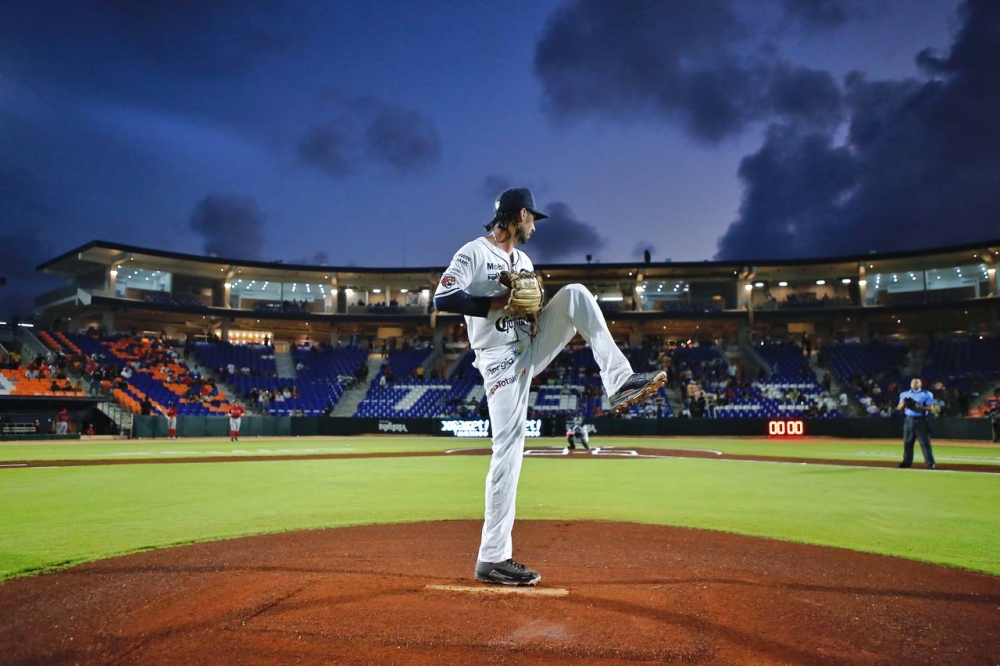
[504, 324]
[448, 281]
[463, 259]
[490, 266]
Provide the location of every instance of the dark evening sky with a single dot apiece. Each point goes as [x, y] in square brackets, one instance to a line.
[379, 133]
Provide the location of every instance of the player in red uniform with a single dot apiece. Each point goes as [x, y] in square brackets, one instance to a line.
[171, 421]
[62, 422]
[235, 412]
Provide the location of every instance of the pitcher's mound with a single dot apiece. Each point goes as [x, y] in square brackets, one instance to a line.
[405, 594]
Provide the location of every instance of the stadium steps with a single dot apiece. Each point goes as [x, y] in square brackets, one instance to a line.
[457, 360]
[675, 397]
[285, 365]
[122, 418]
[854, 408]
[347, 406]
[31, 346]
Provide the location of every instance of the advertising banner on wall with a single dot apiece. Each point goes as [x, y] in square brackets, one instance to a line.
[480, 428]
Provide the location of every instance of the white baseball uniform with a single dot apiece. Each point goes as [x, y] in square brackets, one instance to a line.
[510, 351]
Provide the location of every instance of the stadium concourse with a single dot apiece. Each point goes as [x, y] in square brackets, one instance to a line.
[136, 329]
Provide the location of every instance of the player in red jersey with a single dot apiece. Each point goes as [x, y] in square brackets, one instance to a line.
[171, 421]
[235, 412]
[62, 422]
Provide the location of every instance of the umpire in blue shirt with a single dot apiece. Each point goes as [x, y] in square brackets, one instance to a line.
[916, 405]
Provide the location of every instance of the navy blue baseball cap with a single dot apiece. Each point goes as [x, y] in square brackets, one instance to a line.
[515, 199]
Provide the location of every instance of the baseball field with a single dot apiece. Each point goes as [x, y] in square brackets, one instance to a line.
[350, 549]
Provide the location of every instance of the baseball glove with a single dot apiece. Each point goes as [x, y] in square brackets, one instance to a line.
[525, 293]
[910, 403]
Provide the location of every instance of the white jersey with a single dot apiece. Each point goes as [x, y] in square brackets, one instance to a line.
[475, 269]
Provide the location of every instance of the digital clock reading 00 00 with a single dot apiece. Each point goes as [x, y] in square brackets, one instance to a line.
[786, 428]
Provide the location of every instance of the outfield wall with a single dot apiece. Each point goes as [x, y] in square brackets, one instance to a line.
[215, 426]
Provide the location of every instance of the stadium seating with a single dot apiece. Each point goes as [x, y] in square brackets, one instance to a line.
[318, 385]
[148, 358]
[791, 391]
[870, 372]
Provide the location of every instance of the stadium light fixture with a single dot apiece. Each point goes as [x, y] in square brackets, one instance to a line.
[820, 282]
[782, 284]
[758, 284]
[845, 281]
[748, 287]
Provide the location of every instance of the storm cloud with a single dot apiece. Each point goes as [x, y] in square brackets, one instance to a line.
[231, 226]
[24, 216]
[370, 132]
[119, 43]
[919, 167]
[563, 237]
[821, 14]
[692, 63]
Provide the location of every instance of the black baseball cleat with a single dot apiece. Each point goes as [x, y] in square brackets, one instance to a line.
[904, 464]
[507, 572]
[932, 466]
[637, 387]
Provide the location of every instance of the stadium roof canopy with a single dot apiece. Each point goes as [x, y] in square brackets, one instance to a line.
[83, 259]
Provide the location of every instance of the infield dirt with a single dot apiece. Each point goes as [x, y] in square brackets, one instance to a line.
[634, 593]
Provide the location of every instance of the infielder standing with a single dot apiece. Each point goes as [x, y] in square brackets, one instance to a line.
[236, 412]
[514, 342]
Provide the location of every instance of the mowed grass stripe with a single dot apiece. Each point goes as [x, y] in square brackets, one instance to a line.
[58, 516]
[863, 450]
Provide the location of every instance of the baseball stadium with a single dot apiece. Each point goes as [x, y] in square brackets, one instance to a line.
[755, 508]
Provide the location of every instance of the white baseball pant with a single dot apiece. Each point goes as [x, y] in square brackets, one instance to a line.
[507, 372]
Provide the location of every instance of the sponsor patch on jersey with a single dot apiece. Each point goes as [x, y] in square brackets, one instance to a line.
[448, 281]
[506, 381]
[500, 367]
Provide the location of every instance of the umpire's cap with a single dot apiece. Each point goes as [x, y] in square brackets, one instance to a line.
[515, 199]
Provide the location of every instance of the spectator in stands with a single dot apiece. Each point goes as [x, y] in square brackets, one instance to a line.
[329, 409]
[145, 407]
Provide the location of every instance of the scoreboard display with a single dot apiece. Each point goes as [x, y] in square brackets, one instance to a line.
[786, 428]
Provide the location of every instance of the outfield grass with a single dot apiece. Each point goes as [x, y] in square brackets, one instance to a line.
[54, 517]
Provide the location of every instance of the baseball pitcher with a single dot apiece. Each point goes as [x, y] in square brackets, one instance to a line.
[494, 285]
